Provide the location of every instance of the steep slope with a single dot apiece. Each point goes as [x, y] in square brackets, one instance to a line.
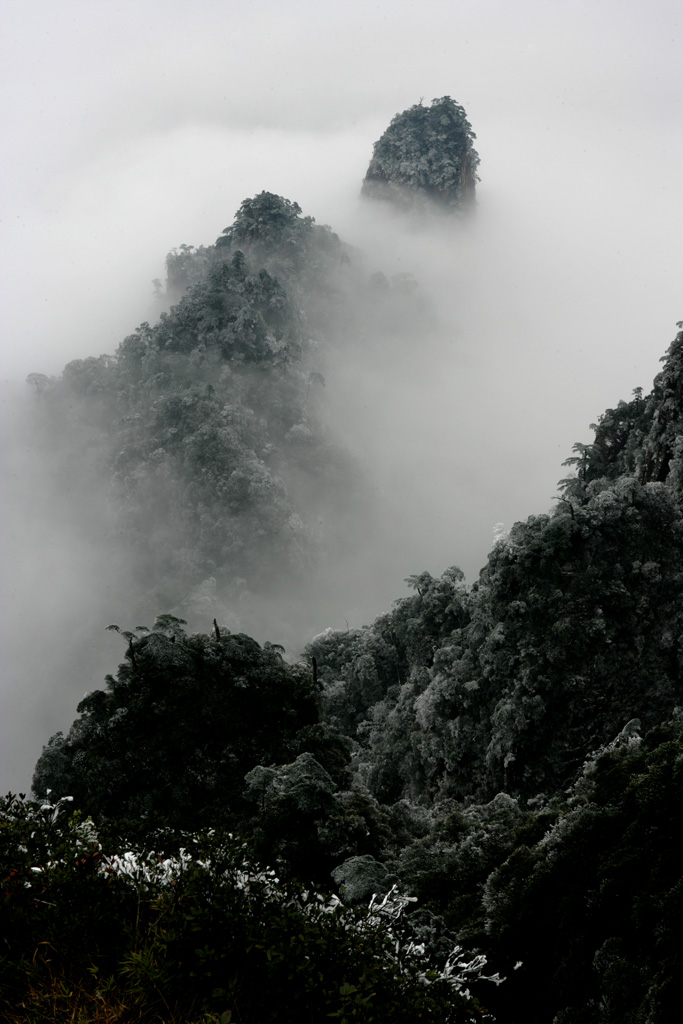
[640, 438]
[524, 737]
[207, 429]
[572, 630]
[510, 753]
[425, 157]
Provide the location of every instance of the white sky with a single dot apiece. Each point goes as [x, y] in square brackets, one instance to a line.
[129, 128]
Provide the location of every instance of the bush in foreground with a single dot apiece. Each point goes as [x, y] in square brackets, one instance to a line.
[198, 935]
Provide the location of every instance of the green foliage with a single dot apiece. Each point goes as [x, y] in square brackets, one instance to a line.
[305, 255]
[448, 867]
[59, 916]
[577, 613]
[269, 220]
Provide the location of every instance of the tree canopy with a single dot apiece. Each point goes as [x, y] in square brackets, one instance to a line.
[494, 766]
[172, 736]
[425, 155]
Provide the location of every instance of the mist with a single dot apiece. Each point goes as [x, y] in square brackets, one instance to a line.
[136, 128]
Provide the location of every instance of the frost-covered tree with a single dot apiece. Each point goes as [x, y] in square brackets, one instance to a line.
[425, 155]
[172, 736]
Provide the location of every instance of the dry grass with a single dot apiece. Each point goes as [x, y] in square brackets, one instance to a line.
[54, 998]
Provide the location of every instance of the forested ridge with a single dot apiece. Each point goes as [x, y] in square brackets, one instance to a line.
[204, 427]
[425, 156]
[466, 810]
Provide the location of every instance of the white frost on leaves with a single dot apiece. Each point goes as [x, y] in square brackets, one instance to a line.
[500, 534]
[458, 971]
[148, 871]
[383, 913]
[389, 907]
[81, 835]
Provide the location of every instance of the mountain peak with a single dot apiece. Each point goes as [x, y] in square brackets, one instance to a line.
[425, 156]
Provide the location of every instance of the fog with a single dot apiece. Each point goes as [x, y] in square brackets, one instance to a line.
[134, 128]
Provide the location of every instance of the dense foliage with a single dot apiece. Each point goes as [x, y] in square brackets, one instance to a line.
[97, 931]
[177, 729]
[206, 730]
[508, 753]
[425, 155]
[204, 429]
[502, 726]
[640, 438]
[594, 908]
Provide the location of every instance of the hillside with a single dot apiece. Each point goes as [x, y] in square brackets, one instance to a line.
[492, 749]
[488, 776]
[425, 157]
[207, 430]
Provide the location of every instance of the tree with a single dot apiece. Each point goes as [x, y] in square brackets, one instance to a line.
[425, 155]
[172, 736]
[593, 908]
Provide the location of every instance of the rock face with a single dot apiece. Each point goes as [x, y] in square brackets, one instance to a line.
[425, 157]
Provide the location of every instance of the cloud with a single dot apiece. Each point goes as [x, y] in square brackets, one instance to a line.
[133, 128]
